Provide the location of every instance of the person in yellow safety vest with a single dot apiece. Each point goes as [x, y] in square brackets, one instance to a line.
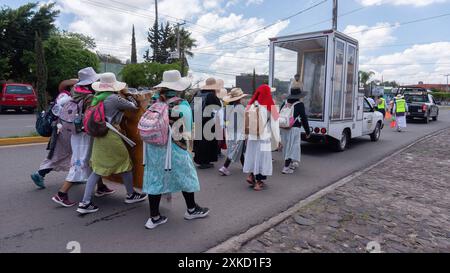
[381, 106]
[400, 109]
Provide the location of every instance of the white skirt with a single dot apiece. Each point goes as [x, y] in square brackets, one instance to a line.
[81, 154]
[258, 157]
[290, 139]
[401, 121]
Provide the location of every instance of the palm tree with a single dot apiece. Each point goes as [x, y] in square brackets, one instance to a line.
[186, 45]
[365, 76]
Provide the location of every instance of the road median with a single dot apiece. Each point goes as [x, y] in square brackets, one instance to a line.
[22, 140]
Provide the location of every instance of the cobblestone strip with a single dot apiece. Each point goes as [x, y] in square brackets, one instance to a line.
[402, 205]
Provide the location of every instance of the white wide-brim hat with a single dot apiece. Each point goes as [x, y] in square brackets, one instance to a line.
[87, 76]
[172, 80]
[108, 83]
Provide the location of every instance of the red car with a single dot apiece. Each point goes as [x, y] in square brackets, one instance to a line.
[17, 96]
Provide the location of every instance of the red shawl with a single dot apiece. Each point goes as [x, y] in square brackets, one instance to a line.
[263, 95]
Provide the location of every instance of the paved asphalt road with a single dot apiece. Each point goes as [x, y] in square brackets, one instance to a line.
[31, 222]
[14, 124]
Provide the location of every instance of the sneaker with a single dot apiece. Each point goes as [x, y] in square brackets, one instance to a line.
[38, 180]
[287, 170]
[135, 197]
[151, 224]
[198, 212]
[224, 171]
[103, 191]
[63, 201]
[294, 165]
[87, 208]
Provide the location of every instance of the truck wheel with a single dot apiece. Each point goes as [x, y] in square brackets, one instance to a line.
[375, 136]
[435, 118]
[341, 145]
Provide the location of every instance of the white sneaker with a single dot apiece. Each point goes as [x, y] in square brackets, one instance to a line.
[151, 224]
[294, 165]
[287, 170]
[224, 171]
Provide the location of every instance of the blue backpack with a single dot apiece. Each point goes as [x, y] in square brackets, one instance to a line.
[45, 122]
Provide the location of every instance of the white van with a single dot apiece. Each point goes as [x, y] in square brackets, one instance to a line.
[327, 62]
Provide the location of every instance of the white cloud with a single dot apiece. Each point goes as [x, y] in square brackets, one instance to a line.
[254, 2]
[417, 63]
[371, 37]
[416, 3]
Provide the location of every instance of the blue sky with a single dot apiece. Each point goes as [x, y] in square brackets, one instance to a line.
[424, 46]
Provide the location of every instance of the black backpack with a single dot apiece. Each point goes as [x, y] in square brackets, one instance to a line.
[45, 122]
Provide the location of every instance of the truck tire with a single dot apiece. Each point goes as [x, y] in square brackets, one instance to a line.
[375, 136]
[435, 118]
[341, 145]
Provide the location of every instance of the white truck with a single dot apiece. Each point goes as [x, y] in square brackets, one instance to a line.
[327, 63]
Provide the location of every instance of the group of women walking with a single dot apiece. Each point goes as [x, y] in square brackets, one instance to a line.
[169, 168]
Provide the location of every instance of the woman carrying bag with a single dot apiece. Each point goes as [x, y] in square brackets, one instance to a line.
[258, 155]
[169, 167]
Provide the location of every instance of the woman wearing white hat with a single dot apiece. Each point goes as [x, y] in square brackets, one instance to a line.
[400, 107]
[80, 142]
[235, 133]
[109, 154]
[180, 175]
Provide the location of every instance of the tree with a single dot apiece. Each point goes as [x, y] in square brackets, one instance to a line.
[133, 48]
[146, 74]
[108, 58]
[364, 77]
[154, 40]
[17, 35]
[41, 73]
[65, 56]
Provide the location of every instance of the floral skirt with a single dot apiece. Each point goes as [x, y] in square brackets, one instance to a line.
[182, 177]
[81, 155]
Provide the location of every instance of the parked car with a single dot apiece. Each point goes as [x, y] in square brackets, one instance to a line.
[421, 105]
[17, 96]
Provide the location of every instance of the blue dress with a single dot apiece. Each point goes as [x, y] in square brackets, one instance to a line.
[182, 177]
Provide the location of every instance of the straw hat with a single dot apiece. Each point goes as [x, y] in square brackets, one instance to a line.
[66, 84]
[87, 76]
[211, 84]
[108, 83]
[234, 95]
[172, 80]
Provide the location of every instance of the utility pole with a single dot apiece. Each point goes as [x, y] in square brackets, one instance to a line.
[180, 54]
[335, 14]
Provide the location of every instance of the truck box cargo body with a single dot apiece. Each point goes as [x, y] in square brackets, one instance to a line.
[327, 62]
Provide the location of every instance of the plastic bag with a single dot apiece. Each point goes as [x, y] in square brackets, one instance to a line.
[393, 123]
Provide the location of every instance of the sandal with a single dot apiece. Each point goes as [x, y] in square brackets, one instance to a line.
[251, 180]
[259, 186]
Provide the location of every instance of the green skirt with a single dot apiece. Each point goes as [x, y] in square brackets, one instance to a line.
[110, 156]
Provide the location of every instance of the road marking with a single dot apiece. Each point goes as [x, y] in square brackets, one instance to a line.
[234, 243]
[21, 145]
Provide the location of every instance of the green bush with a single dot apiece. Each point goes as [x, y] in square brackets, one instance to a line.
[441, 96]
[146, 74]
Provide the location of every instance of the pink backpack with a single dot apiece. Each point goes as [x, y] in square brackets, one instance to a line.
[154, 124]
[94, 120]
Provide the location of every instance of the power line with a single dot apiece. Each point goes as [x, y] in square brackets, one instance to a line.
[401, 24]
[270, 25]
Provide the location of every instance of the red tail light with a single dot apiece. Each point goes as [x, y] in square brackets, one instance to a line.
[323, 131]
[316, 130]
[424, 107]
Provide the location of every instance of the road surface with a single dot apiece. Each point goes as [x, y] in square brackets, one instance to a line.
[13, 124]
[31, 222]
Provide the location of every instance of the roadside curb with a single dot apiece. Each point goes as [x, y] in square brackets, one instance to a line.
[234, 243]
[22, 140]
